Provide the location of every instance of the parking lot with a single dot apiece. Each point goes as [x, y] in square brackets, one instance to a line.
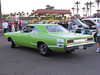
[28, 61]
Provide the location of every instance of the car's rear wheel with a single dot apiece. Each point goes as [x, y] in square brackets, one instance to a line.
[43, 49]
[69, 51]
[12, 44]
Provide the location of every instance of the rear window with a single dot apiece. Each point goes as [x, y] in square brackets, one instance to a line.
[55, 28]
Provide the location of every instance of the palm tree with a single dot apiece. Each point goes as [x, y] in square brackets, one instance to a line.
[97, 1]
[77, 3]
[22, 11]
[73, 10]
[87, 7]
[11, 14]
[83, 10]
[27, 14]
[23, 14]
[33, 10]
[49, 7]
[15, 14]
[20, 14]
[91, 3]
[31, 14]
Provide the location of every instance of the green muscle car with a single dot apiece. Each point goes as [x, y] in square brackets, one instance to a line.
[49, 37]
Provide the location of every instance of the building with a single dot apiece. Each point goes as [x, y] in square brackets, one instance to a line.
[48, 14]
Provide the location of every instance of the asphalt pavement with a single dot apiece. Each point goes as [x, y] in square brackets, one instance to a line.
[28, 61]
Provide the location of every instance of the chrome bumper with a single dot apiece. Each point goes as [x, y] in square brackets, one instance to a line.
[73, 47]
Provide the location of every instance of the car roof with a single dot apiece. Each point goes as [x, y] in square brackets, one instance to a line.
[41, 27]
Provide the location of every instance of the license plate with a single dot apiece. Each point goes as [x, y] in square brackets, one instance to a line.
[81, 47]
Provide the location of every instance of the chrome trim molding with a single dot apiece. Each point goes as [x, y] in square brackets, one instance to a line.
[33, 44]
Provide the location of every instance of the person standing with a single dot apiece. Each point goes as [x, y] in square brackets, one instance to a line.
[20, 25]
[98, 38]
[9, 26]
[46, 22]
[15, 25]
[40, 22]
[5, 26]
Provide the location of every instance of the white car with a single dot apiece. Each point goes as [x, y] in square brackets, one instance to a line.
[85, 26]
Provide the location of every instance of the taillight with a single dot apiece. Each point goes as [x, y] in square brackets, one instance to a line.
[89, 39]
[70, 41]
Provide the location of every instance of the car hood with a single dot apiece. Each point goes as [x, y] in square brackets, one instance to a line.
[89, 23]
[68, 35]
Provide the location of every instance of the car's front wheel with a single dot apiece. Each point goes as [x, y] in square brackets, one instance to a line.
[43, 49]
[12, 44]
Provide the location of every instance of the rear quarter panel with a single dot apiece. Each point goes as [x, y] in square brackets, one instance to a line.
[52, 42]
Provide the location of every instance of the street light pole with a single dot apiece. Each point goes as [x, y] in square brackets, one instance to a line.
[0, 14]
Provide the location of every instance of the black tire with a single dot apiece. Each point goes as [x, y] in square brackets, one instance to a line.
[68, 51]
[12, 44]
[43, 49]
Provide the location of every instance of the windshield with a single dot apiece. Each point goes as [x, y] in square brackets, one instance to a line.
[55, 28]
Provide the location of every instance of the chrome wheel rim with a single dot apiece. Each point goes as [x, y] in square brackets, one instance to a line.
[43, 49]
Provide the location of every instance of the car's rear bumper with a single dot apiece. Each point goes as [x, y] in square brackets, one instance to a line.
[73, 47]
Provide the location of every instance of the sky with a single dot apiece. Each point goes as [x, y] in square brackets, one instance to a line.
[11, 6]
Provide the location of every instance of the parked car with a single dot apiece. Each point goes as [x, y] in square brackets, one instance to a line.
[87, 25]
[92, 23]
[95, 20]
[49, 37]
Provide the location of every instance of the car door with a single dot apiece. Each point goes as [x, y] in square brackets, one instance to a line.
[22, 37]
[32, 37]
[27, 38]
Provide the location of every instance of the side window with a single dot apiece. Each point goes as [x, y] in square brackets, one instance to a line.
[26, 29]
[35, 30]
